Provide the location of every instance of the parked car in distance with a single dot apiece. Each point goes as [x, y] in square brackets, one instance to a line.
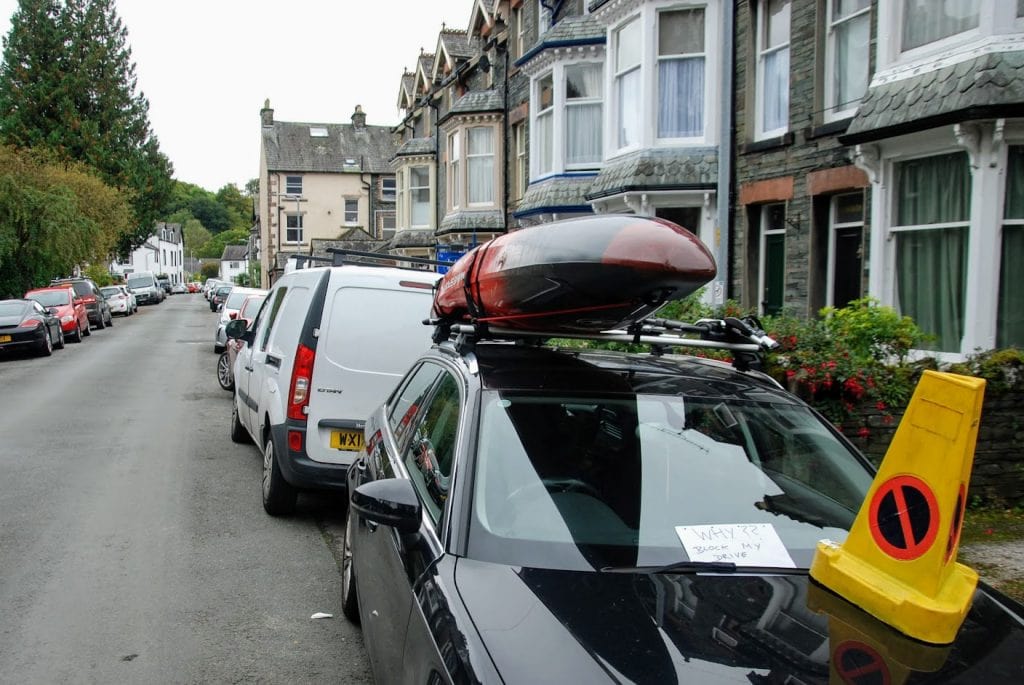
[89, 293]
[219, 295]
[26, 324]
[226, 362]
[165, 283]
[210, 287]
[523, 500]
[230, 309]
[193, 287]
[118, 298]
[145, 287]
[74, 320]
[179, 289]
[325, 349]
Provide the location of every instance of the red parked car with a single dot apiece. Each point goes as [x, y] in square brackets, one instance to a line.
[74, 319]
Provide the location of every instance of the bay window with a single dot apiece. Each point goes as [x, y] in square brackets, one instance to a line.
[583, 114]
[419, 196]
[454, 179]
[933, 206]
[772, 94]
[480, 165]
[1010, 308]
[928, 21]
[627, 61]
[545, 123]
[848, 53]
[681, 73]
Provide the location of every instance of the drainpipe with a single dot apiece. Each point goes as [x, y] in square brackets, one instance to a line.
[720, 247]
[505, 130]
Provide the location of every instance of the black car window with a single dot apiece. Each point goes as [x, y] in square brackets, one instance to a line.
[274, 309]
[406, 404]
[431, 451]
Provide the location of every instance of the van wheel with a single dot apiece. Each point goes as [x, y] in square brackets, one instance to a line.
[238, 432]
[278, 496]
[349, 599]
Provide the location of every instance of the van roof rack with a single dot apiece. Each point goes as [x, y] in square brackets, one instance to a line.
[744, 337]
[342, 256]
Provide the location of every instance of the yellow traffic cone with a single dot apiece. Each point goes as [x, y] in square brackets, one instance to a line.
[899, 561]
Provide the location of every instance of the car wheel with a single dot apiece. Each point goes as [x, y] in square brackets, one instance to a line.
[60, 339]
[238, 432]
[77, 337]
[46, 348]
[110, 319]
[100, 326]
[88, 329]
[278, 496]
[349, 599]
[224, 376]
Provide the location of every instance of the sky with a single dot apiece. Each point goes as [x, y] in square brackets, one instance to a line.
[207, 66]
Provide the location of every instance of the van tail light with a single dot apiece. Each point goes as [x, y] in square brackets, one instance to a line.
[302, 376]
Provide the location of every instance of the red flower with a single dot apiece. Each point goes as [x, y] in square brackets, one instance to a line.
[863, 432]
[880, 406]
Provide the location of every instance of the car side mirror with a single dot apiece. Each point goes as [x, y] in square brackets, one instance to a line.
[235, 329]
[390, 502]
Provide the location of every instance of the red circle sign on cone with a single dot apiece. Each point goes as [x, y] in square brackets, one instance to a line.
[858, 664]
[904, 517]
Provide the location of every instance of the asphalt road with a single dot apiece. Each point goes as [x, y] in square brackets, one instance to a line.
[133, 545]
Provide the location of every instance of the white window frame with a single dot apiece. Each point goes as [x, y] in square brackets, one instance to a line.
[762, 257]
[522, 174]
[996, 19]
[543, 19]
[834, 226]
[351, 218]
[520, 32]
[293, 185]
[455, 184]
[940, 43]
[558, 113]
[833, 109]
[458, 167]
[298, 228]
[617, 76]
[761, 52]
[381, 216]
[412, 195]
[540, 145]
[388, 194]
[471, 156]
[658, 58]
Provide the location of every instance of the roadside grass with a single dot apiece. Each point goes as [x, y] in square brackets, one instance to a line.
[992, 542]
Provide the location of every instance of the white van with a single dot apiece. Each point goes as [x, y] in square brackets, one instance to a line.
[326, 348]
[145, 287]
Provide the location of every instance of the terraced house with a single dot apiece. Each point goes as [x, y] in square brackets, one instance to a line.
[825, 150]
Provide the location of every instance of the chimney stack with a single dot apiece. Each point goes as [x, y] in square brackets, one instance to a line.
[359, 119]
[267, 114]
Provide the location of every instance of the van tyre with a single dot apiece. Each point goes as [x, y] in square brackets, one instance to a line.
[278, 496]
[349, 599]
[238, 432]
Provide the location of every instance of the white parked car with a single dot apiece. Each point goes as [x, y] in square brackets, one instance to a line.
[328, 345]
[229, 311]
[120, 299]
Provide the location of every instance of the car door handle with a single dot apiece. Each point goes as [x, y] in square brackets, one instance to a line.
[371, 526]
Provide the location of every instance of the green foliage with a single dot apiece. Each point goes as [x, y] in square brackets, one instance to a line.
[99, 274]
[1001, 369]
[67, 84]
[850, 356]
[215, 246]
[210, 270]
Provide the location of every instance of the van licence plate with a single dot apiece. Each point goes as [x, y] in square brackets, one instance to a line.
[347, 440]
[5, 338]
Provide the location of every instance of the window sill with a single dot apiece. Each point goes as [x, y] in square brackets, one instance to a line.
[831, 128]
[768, 143]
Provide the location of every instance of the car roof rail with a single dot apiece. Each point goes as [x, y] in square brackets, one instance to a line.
[744, 337]
[342, 256]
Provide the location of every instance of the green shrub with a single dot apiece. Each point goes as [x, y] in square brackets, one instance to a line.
[1001, 369]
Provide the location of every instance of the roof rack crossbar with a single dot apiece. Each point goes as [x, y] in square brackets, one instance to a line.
[609, 336]
[340, 253]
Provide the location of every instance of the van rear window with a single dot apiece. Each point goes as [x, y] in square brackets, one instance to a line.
[379, 331]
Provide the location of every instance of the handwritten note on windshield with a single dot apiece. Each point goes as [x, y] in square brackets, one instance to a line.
[744, 544]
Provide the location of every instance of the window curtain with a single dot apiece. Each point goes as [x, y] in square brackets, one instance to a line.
[480, 150]
[931, 264]
[681, 98]
[629, 108]
[1010, 330]
[420, 192]
[583, 120]
[852, 53]
[926, 21]
[775, 90]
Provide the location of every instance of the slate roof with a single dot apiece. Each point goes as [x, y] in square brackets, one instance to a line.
[990, 85]
[173, 230]
[558, 194]
[352, 239]
[575, 30]
[457, 43]
[490, 100]
[417, 146]
[290, 147]
[235, 253]
[406, 89]
[412, 237]
[665, 169]
[466, 222]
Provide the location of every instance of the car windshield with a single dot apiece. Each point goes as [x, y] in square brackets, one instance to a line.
[12, 308]
[50, 298]
[644, 480]
[141, 282]
[251, 306]
[108, 292]
[235, 300]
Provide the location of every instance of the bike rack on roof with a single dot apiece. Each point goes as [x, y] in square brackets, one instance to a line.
[363, 258]
[743, 337]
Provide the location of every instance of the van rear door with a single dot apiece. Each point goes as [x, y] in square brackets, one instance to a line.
[374, 334]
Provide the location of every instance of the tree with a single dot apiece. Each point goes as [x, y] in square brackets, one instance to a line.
[211, 213]
[210, 270]
[68, 84]
[215, 246]
[238, 206]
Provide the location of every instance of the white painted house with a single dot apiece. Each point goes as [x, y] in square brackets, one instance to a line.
[162, 253]
[234, 261]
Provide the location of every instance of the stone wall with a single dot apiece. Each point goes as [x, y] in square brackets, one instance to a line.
[998, 474]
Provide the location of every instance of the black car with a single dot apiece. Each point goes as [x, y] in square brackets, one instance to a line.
[219, 296]
[95, 304]
[26, 324]
[522, 516]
